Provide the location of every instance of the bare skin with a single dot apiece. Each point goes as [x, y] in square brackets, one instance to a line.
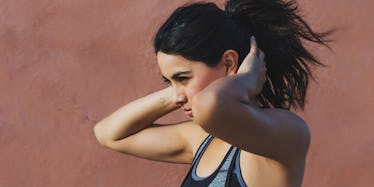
[273, 142]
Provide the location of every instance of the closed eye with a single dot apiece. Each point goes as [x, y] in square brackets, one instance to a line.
[181, 79]
[177, 77]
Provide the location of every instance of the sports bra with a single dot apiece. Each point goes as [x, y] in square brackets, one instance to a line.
[228, 173]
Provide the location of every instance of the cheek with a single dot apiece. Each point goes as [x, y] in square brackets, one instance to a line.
[193, 89]
[200, 82]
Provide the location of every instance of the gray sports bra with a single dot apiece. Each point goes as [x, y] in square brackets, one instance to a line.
[226, 175]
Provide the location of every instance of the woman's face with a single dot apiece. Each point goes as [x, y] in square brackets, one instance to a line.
[187, 77]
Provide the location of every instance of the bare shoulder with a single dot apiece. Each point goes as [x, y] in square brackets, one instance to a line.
[292, 124]
[292, 130]
[288, 143]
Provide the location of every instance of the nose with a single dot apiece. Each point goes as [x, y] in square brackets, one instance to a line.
[179, 96]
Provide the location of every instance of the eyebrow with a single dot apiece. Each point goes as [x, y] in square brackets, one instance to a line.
[175, 76]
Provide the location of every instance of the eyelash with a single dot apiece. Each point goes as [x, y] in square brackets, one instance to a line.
[179, 79]
[166, 81]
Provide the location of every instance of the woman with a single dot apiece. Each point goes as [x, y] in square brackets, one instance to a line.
[241, 131]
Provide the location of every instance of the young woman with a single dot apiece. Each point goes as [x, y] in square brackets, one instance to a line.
[241, 131]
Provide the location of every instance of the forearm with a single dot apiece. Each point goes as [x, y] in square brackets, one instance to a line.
[135, 116]
[239, 87]
[233, 89]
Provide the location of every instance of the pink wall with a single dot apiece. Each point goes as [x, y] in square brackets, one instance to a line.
[64, 65]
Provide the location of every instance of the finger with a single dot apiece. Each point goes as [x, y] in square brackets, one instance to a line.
[253, 49]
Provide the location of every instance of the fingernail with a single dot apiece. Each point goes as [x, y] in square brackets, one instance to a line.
[253, 38]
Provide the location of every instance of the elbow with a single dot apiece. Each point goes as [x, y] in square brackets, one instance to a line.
[305, 137]
[100, 136]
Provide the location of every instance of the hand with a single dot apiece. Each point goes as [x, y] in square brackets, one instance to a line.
[254, 65]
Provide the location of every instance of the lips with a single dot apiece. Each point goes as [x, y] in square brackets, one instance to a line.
[188, 113]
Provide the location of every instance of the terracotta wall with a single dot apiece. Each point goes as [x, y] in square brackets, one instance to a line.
[66, 64]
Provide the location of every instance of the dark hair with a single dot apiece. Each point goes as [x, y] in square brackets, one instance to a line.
[203, 32]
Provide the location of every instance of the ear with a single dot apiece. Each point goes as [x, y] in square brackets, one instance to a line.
[229, 59]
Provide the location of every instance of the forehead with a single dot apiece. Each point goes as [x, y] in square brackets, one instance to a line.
[173, 63]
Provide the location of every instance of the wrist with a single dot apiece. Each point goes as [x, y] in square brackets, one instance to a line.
[165, 99]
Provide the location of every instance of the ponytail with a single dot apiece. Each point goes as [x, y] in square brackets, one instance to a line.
[279, 32]
[203, 32]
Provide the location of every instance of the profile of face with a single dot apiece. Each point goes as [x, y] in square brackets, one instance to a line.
[188, 77]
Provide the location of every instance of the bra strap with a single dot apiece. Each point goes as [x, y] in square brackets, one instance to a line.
[202, 148]
[223, 174]
[231, 169]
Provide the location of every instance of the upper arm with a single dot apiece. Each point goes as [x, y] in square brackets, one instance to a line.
[273, 133]
[166, 143]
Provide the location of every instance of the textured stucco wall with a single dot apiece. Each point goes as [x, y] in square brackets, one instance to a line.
[66, 64]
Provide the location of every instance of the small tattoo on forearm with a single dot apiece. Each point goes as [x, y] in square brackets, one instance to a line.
[162, 100]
